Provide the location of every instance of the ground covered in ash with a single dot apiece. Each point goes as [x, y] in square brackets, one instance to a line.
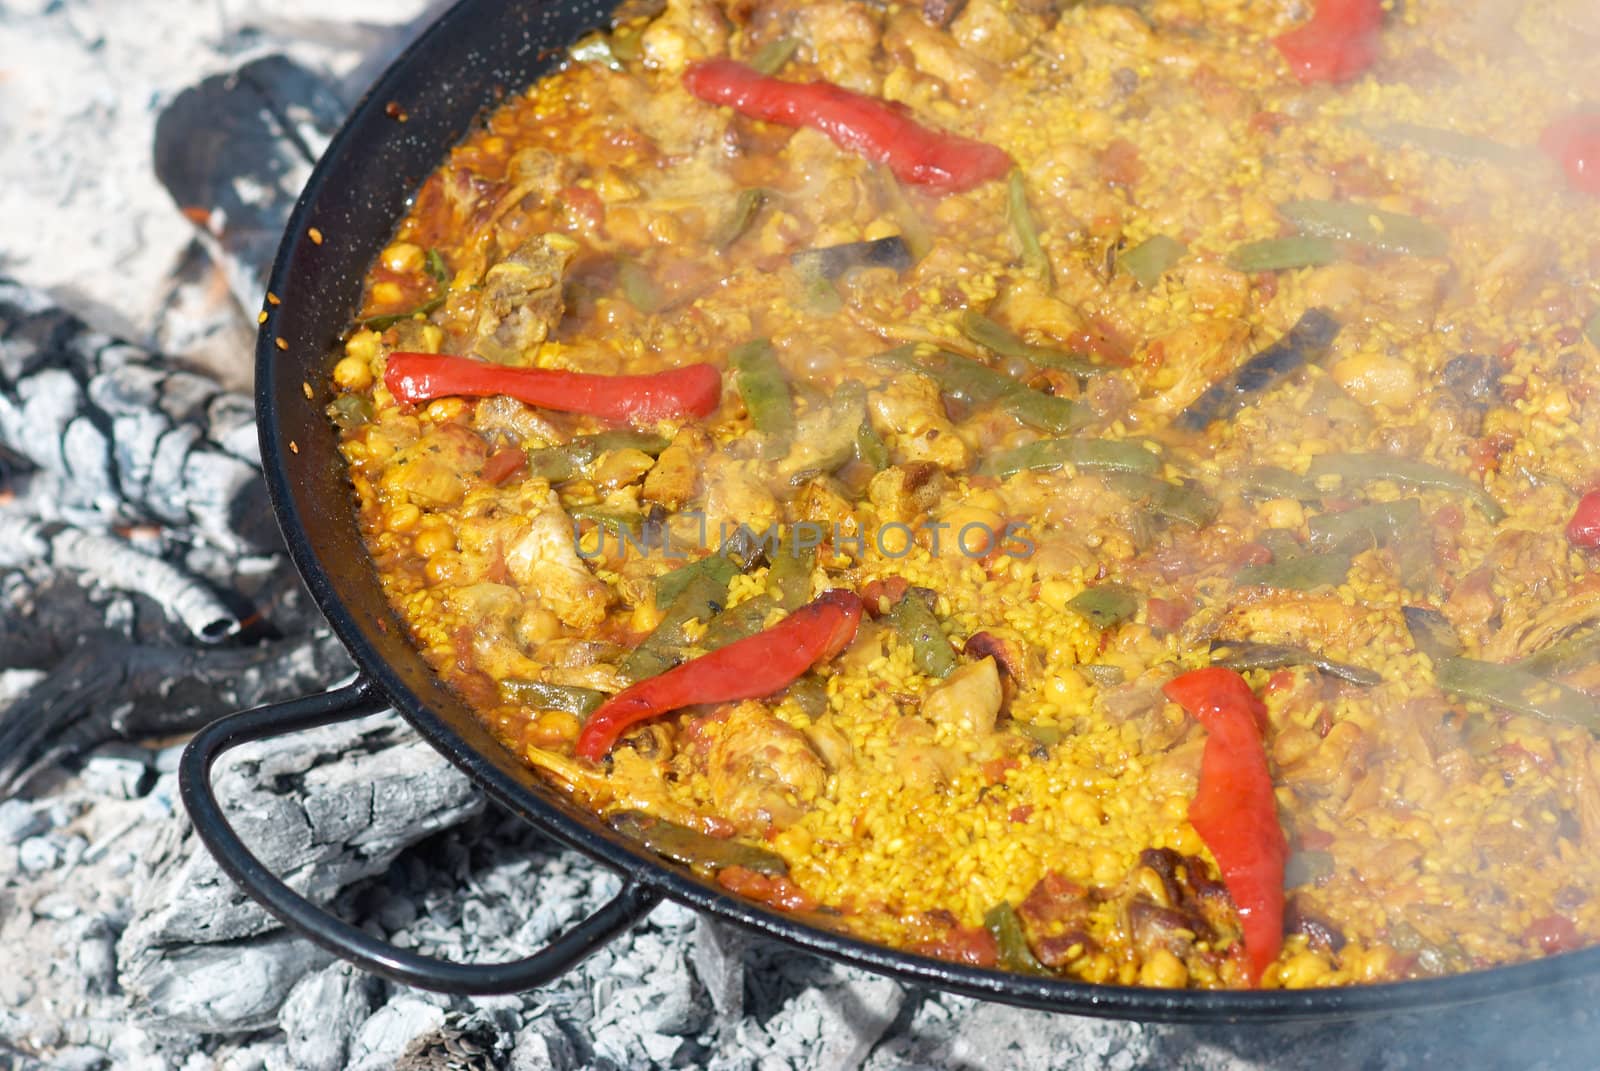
[121, 945]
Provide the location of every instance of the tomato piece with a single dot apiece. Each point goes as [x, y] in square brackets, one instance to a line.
[1574, 142]
[1583, 530]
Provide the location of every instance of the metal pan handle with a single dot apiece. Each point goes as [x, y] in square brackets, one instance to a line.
[337, 936]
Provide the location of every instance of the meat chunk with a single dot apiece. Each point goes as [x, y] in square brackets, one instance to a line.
[905, 492]
[844, 38]
[736, 495]
[672, 482]
[433, 471]
[545, 562]
[968, 700]
[910, 414]
[966, 76]
[762, 771]
[686, 31]
[521, 299]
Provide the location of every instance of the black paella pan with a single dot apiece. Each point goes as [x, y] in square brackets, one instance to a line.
[475, 54]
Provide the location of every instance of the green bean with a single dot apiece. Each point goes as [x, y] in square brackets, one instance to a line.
[978, 384]
[870, 449]
[738, 622]
[1353, 222]
[764, 387]
[827, 436]
[1089, 455]
[914, 623]
[789, 578]
[702, 598]
[693, 848]
[1105, 606]
[811, 694]
[1449, 143]
[738, 553]
[739, 218]
[637, 286]
[1515, 689]
[1283, 254]
[542, 696]
[383, 323]
[1266, 481]
[1043, 735]
[1015, 955]
[1432, 632]
[351, 410]
[991, 336]
[1026, 229]
[1185, 503]
[1300, 574]
[774, 54]
[437, 267]
[1307, 868]
[820, 296]
[1369, 468]
[1244, 656]
[611, 520]
[1565, 656]
[1591, 329]
[572, 459]
[1148, 261]
[1375, 525]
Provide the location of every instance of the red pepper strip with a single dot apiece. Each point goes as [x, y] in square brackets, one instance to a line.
[1583, 531]
[1574, 141]
[745, 669]
[693, 390]
[1234, 810]
[1338, 44]
[882, 132]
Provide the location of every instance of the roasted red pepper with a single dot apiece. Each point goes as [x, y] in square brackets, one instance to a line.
[1234, 810]
[882, 132]
[1338, 44]
[693, 390]
[1583, 531]
[1574, 142]
[745, 669]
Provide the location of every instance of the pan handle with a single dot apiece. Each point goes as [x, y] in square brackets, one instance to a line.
[337, 936]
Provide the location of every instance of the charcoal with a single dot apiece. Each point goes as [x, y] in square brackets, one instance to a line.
[322, 1013]
[386, 1036]
[20, 820]
[119, 771]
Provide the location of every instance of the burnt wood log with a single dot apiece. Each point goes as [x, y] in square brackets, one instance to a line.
[322, 809]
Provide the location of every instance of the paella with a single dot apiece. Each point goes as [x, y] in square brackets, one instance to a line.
[1100, 490]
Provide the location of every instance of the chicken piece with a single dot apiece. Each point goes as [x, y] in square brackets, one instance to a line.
[1323, 767]
[533, 173]
[987, 29]
[631, 782]
[686, 31]
[1194, 357]
[672, 481]
[736, 495]
[545, 562]
[966, 76]
[820, 501]
[906, 492]
[1320, 623]
[921, 763]
[909, 413]
[968, 700]
[1533, 630]
[1214, 287]
[521, 299]
[510, 421]
[492, 611]
[762, 771]
[433, 471]
[844, 39]
[1024, 307]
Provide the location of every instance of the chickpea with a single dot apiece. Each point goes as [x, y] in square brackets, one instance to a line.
[1378, 379]
[434, 541]
[552, 728]
[352, 374]
[363, 344]
[1163, 970]
[444, 410]
[387, 293]
[402, 518]
[537, 625]
[403, 258]
[1282, 513]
